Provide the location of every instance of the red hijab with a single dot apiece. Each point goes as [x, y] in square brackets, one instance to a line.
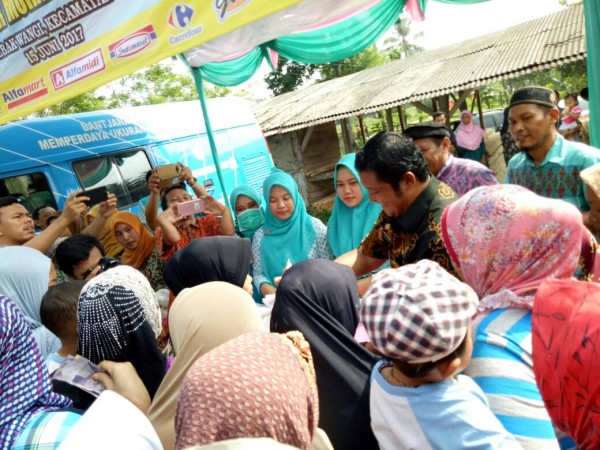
[566, 356]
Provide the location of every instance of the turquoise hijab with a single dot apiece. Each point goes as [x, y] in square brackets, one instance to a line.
[289, 239]
[257, 218]
[347, 227]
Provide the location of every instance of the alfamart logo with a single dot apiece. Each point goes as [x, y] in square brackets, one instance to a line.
[24, 94]
[180, 18]
[77, 70]
[132, 44]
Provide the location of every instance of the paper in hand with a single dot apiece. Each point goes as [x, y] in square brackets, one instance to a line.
[78, 371]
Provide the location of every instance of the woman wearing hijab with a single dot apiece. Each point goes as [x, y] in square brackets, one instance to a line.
[353, 214]
[25, 274]
[214, 258]
[469, 138]
[140, 251]
[111, 246]
[289, 235]
[256, 385]
[29, 413]
[201, 319]
[566, 326]
[320, 299]
[118, 320]
[535, 238]
[249, 215]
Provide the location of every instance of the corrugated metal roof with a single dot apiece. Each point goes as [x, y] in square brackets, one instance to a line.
[528, 47]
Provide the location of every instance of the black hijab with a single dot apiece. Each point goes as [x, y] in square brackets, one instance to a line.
[215, 258]
[319, 298]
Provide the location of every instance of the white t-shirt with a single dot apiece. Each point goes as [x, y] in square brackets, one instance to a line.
[452, 414]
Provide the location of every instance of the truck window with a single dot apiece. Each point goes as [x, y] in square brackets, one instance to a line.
[32, 190]
[124, 174]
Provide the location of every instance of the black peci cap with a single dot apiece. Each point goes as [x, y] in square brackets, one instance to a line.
[534, 94]
[425, 130]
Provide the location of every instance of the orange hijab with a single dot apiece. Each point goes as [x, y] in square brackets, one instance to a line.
[145, 246]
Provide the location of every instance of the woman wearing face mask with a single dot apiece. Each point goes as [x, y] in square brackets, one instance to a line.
[248, 208]
[140, 251]
[289, 234]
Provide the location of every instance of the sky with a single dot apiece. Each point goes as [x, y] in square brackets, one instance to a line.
[469, 21]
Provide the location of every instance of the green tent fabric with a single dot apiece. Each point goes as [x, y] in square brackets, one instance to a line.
[340, 40]
[235, 71]
[330, 43]
[591, 10]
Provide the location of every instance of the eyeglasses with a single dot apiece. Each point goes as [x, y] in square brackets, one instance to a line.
[105, 263]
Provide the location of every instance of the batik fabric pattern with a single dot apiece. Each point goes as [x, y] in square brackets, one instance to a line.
[416, 235]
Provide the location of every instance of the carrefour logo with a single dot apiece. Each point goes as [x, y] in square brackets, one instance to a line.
[180, 16]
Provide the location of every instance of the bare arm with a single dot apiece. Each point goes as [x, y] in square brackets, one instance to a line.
[74, 208]
[360, 263]
[106, 209]
[226, 228]
[188, 177]
[151, 210]
[168, 221]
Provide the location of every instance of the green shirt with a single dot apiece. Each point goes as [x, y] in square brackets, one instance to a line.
[558, 175]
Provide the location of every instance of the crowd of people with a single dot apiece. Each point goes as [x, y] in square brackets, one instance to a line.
[438, 308]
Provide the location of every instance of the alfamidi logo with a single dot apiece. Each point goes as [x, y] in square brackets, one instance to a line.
[180, 16]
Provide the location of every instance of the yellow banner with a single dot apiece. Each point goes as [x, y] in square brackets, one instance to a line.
[54, 50]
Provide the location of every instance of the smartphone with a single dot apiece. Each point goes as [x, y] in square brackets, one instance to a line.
[96, 195]
[169, 174]
[192, 207]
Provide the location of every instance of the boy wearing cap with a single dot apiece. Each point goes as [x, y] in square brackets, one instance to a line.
[419, 318]
[461, 174]
[548, 164]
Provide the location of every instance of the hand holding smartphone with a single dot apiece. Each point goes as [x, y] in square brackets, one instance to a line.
[169, 174]
[96, 195]
[192, 207]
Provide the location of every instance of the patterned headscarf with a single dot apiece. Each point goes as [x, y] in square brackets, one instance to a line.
[112, 322]
[256, 385]
[566, 329]
[25, 387]
[504, 240]
[142, 252]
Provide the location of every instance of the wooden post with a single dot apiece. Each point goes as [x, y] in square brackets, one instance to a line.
[479, 110]
[402, 118]
[361, 123]
[389, 119]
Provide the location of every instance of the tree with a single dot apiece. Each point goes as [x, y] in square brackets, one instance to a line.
[370, 57]
[400, 46]
[288, 76]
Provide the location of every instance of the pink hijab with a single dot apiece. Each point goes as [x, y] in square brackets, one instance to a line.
[504, 240]
[469, 136]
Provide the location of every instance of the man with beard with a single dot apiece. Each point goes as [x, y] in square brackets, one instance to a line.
[396, 175]
[547, 164]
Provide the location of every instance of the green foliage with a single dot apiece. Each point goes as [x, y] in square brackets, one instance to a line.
[322, 214]
[87, 101]
[400, 46]
[288, 76]
[370, 57]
